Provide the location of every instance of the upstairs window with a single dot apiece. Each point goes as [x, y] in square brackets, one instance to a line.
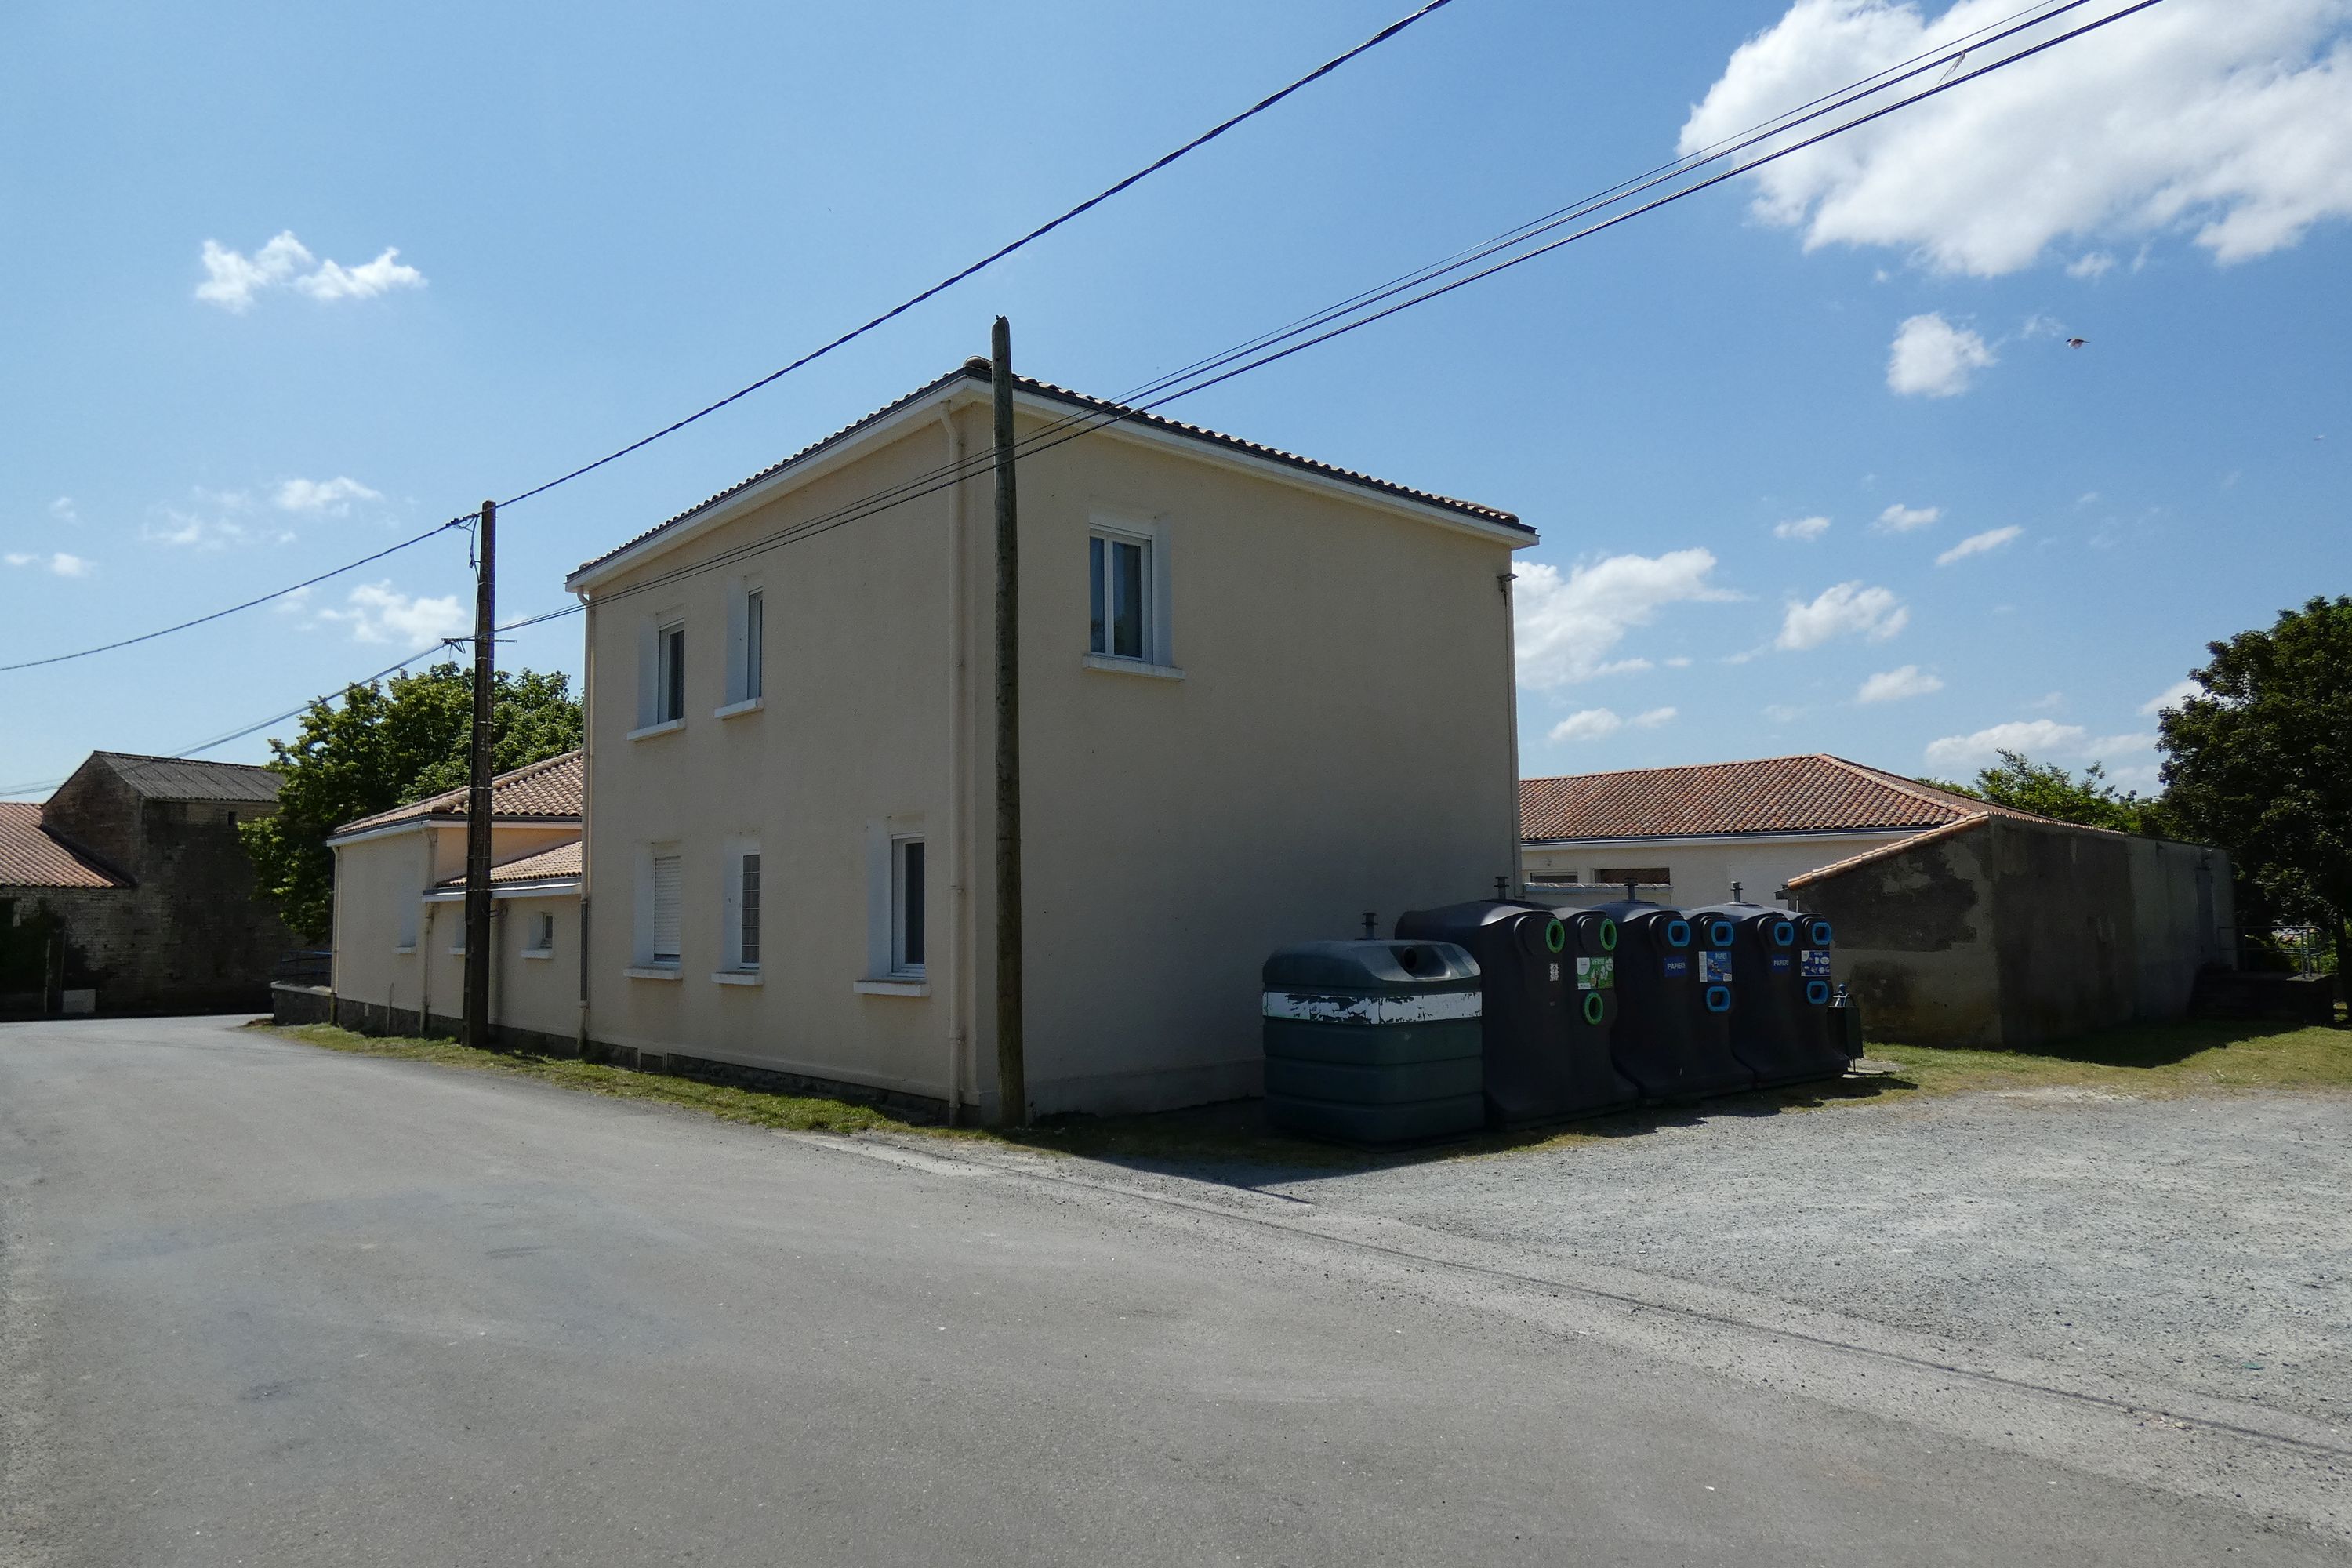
[1120, 595]
[755, 643]
[669, 673]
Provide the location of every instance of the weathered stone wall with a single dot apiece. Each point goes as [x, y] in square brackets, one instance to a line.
[1914, 939]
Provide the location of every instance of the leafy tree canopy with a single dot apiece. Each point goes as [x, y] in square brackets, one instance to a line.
[2262, 763]
[2049, 790]
[385, 745]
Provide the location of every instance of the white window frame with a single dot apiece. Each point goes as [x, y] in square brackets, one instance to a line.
[730, 919]
[747, 625]
[886, 971]
[1112, 525]
[641, 935]
[902, 967]
[653, 688]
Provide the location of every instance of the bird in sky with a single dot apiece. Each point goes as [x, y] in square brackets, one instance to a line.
[2076, 342]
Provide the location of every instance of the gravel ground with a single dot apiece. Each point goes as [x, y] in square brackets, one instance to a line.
[2201, 1242]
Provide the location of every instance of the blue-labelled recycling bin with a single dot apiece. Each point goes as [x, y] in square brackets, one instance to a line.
[1778, 1026]
[1672, 1034]
[1374, 1042]
[1538, 1069]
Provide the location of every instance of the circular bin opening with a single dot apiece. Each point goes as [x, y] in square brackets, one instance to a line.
[1719, 999]
[1784, 934]
[1822, 933]
[1719, 933]
[1555, 935]
[1817, 992]
[1678, 933]
[1409, 959]
[1594, 1007]
[1608, 934]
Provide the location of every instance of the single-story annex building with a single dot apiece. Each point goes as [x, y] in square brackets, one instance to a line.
[1958, 922]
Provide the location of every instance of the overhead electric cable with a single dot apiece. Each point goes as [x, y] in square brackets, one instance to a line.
[250, 604]
[994, 257]
[1087, 421]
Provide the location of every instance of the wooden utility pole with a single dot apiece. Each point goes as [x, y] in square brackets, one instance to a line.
[1011, 1073]
[478, 795]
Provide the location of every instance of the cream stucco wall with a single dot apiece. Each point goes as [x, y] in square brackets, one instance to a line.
[379, 878]
[1340, 740]
[1704, 870]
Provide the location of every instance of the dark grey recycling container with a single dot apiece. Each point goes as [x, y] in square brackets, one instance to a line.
[1373, 1042]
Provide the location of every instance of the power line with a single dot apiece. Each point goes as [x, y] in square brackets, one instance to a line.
[250, 604]
[1165, 159]
[1085, 422]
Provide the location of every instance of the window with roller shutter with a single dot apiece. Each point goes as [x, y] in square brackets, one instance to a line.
[668, 884]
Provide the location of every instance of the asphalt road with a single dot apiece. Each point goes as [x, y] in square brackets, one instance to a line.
[266, 1304]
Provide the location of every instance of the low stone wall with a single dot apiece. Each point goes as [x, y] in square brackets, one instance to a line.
[300, 1004]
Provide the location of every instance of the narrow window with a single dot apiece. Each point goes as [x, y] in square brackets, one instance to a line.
[671, 679]
[747, 926]
[1118, 594]
[667, 882]
[907, 906]
[755, 642]
[542, 936]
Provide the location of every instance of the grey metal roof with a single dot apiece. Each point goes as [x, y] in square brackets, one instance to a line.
[977, 371]
[181, 778]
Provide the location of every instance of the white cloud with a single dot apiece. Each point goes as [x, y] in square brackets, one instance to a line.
[1933, 358]
[365, 281]
[1901, 518]
[1781, 713]
[2172, 695]
[232, 279]
[2050, 702]
[2096, 264]
[333, 497]
[1894, 685]
[1589, 724]
[1655, 717]
[63, 564]
[378, 613]
[1801, 528]
[2232, 119]
[1978, 543]
[62, 509]
[1568, 625]
[2041, 739]
[1846, 607]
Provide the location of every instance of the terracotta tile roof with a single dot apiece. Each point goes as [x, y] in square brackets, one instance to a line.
[1817, 793]
[551, 790]
[1885, 851]
[30, 857]
[977, 372]
[185, 778]
[546, 866]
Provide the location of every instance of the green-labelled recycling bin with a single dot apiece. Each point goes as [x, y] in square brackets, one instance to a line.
[1373, 1042]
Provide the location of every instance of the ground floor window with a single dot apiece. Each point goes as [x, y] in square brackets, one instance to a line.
[906, 911]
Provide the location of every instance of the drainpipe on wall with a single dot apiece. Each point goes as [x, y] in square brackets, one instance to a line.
[587, 785]
[1511, 718]
[424, 966]
[958, 882]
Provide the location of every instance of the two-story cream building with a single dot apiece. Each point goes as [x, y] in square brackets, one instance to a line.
[1260, 695]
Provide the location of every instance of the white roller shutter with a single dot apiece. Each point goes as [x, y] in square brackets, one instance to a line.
[667, 881]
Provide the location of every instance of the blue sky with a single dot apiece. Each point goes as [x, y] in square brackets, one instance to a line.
[602, 219]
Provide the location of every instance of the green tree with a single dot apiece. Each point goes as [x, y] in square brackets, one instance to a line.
[385, 745]
[2261, 761]
[2048, 790]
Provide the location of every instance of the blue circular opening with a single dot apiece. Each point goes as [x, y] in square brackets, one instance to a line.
[1817, 992]
[1678, 933]
[1719, 999]
[1719, 933]
[1783, 935]
[1823, 936]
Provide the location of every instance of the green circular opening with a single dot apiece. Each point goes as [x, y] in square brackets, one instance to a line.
[1594, 1007]
[1555, 936]
[1608, 934]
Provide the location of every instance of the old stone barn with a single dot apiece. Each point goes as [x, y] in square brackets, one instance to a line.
[128, 891]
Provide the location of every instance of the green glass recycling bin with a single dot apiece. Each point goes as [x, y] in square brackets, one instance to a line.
[1374, 1042]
